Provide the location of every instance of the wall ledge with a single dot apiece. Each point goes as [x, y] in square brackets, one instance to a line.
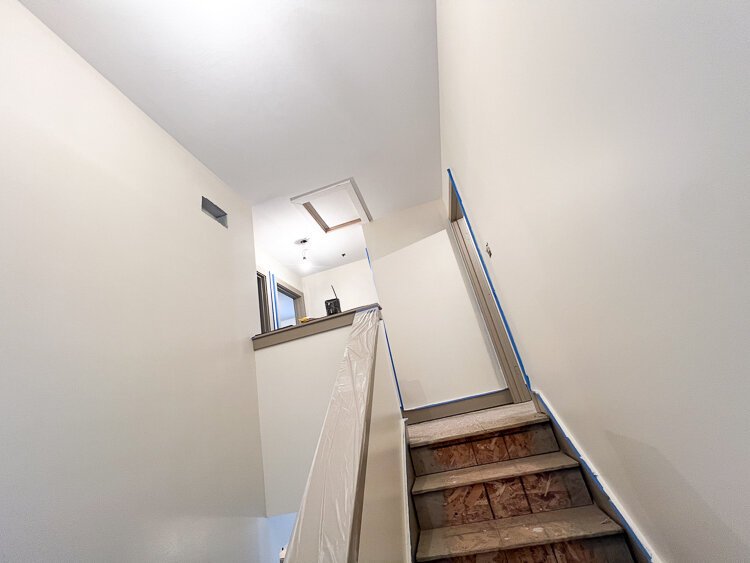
[315, 326]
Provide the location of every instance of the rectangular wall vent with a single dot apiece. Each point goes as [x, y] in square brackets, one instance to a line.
[210, 208]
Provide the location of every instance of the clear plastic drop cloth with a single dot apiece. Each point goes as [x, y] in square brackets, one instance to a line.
[323, 530]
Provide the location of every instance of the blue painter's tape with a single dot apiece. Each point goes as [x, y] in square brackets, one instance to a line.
[599, 485]
[489, 280]
[595, 477]
[274, 299]
[387, 342]
[393, 367]
[269, 288]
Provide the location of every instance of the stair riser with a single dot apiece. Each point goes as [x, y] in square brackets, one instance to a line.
[540, 492]
[610, 549]
[495, 482]
[531, 440]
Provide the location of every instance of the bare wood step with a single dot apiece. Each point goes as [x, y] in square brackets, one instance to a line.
[515, 533]
[473, 424]
[492, 472]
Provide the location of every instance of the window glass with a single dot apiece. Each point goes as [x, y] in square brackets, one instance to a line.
[285, 306]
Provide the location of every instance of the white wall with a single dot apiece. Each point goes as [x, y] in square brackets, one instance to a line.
[353, 283]
[265, 264]
[440, 349]
[601, 149]
[295, 381]
[275, 533]
[129, 425]
[402, 228]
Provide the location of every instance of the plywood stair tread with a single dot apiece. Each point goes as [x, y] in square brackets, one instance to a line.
[476, 423]
[492, 472]
[516, 532]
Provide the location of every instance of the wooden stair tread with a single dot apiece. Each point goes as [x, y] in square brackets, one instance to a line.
[515, 532]
[492, 472]
[475, 423]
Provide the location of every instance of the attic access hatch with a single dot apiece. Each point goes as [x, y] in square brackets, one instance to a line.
[336, 206]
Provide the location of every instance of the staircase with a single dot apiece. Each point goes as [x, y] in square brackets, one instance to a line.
[493, 487]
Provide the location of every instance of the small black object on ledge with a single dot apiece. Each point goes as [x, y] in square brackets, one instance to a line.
[333, 306]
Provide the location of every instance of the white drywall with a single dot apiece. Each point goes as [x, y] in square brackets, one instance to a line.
[404, 227]
[266, 265]
[278, 96]
[601, 149]
[353, 283]
[440, 348]
[295, 380]
[129, 424]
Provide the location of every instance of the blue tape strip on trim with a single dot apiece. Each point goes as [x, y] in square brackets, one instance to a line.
[393, 366]
[274, 298]
[269, 288]
[387, 342]
[489, 279]
[595, 477]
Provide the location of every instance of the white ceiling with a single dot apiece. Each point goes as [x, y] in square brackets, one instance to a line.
[278, 223]
[278, 97]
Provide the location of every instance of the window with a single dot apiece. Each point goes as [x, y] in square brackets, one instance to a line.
[265, 317]
[290, 305]
[280, 308]
[285, 307]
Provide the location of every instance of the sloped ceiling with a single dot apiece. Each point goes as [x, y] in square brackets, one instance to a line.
[278, 97]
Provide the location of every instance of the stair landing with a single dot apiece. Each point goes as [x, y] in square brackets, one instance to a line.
[472, 424]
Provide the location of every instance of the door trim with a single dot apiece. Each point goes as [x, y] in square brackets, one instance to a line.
[484, 295]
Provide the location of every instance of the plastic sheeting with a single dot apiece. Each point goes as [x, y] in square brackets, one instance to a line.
[325, 523]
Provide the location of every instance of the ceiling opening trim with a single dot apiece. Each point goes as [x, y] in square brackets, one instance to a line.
[349, 186]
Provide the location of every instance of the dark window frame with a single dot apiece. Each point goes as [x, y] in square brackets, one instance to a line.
[297, 297]
[263, 303]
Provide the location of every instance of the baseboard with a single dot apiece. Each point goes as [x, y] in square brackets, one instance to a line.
[411, 511]
[600, 492]
[459, 406]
